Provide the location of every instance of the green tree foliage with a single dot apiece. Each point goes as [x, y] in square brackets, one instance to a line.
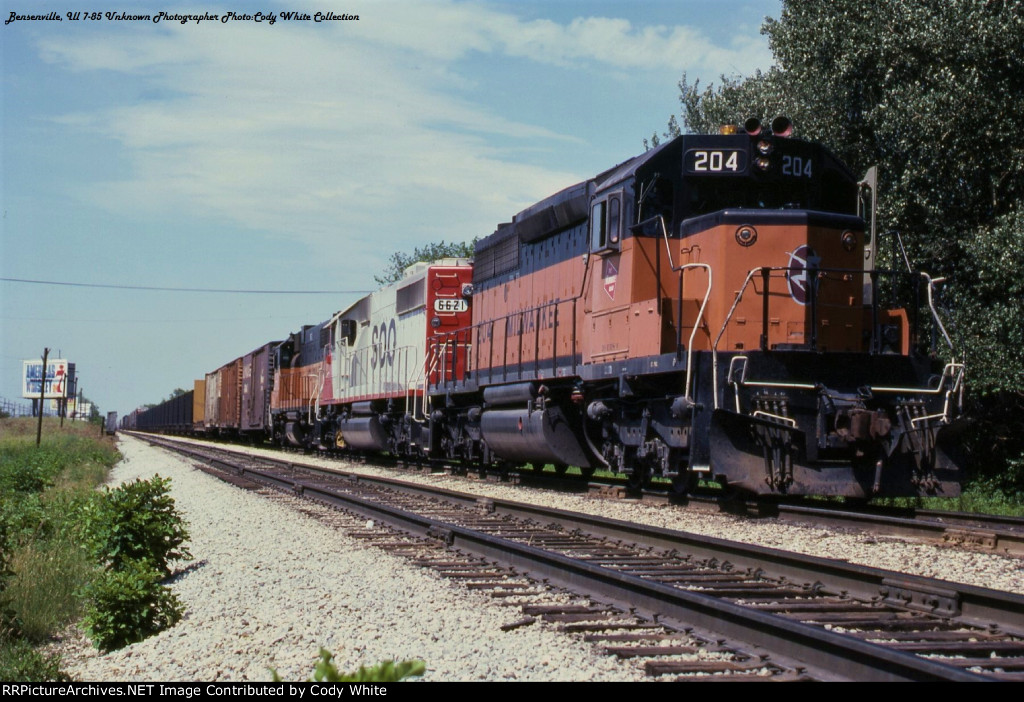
[931, 92]
[400, 260]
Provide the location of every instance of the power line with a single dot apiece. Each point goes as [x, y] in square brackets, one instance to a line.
[195, 290]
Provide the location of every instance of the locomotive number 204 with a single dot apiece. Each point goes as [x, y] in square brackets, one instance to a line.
[796, 166]
[714, 161]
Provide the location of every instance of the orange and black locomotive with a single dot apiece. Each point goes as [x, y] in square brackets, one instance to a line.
[708, 308]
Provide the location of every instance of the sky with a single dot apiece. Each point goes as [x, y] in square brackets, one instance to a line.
[296, 156]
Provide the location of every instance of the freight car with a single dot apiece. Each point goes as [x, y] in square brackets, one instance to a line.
[710, 308]
[171, 416]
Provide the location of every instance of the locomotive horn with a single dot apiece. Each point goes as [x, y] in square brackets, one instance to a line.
[753, 126]
[782, 126]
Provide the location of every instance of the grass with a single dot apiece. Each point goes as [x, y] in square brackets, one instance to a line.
[42, 565]
[47, 575]
[979, 497]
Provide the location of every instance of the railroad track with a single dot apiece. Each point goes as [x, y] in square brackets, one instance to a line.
[684, 605]
[981, 532]
[987, 533]
[976, 532]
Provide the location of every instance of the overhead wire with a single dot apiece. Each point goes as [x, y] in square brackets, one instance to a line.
[191, 290]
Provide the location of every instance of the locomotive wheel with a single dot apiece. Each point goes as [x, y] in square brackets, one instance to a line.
[684, 483]
[639, 478]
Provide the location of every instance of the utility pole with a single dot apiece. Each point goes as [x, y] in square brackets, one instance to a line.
[64, 401]
[42, 394]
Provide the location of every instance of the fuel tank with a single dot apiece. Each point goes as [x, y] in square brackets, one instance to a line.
[538, 436]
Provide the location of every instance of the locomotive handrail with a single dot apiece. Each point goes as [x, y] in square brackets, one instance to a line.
[756, 383]
[432, 360]
[314, 397]
[728, 317]
[765, 271]
[953, 370]
[932, 282]
[947, 372]
[688, 383]
[522, 315]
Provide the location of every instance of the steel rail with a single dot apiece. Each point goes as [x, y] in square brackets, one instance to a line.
[814, 645]
[952, 528]
[979, 605]
[817, 647]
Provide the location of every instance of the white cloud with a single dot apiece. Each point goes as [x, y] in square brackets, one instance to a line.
[448, 30]
[314, 131]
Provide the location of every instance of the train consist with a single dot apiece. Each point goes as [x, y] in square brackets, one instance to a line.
[710, 308]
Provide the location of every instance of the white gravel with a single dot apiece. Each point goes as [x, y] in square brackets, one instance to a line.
[989, 570]
[271, 586]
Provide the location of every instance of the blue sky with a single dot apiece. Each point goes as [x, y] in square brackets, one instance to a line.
[299, 156]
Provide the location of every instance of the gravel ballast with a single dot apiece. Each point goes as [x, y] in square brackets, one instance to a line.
[989, 570]
[271, 585]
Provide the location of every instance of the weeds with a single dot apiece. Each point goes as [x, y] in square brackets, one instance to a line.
[385, 671]
[42, 562]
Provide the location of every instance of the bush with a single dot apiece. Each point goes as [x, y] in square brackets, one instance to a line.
[127, 605]
[385, 671]
[137, 522]
[134, 531]
[22, 663]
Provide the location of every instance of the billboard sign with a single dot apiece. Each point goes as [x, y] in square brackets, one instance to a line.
[58, 382]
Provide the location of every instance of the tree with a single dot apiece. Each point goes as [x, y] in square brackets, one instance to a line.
[399, 260]
[930, 91]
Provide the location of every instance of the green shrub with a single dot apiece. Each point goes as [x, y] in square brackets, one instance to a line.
[385, 671]
[137, 521]
[19, 662]
[127, 605]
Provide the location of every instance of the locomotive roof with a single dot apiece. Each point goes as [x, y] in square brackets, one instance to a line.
[629, 167]
[568, 206]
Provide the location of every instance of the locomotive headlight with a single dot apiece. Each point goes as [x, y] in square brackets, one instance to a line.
[746, 235]
[435, 322]
[849, 240]
[763, 163]
[765, 147]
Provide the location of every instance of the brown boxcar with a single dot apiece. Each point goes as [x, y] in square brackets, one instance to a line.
[229, 418]
[257, 382]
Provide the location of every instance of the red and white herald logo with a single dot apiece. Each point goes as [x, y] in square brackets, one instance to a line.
[799, 261]
[610, 276]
